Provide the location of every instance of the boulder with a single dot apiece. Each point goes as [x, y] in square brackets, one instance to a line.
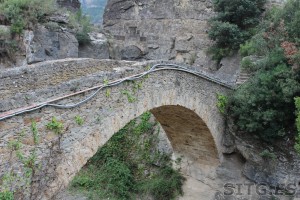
[98, 47]
[131, 52]
[43, 44]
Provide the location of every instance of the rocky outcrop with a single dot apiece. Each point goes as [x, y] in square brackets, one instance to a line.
[98, 47]
[165, 29]
[50, 41]
[43, 44]
[70, 4]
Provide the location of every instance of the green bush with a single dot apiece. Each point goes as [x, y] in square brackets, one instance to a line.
[82, 25]
[264, 105]
[297, 144]
[267, 154]
[167, 184]
[25, 13]
[247, 64]
[6, 195]
[233, 24]
[56, 126]
[222, 103]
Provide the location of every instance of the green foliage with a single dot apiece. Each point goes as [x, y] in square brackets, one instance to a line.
[248, 64]
[21, 181]
[117, 170]
[24, 13]
[34, 131]
[105, 82]
[164, 185]
[267, 154]
[265, 104]
[244, 13]
[82, 25]
[137, 86]
[129, 96]
[227, 37]
[233, 25]
[6, 195]
[56, 126]
[247, 48]
[297, 104]
[222, 103]
[107, 93]
[79, 120]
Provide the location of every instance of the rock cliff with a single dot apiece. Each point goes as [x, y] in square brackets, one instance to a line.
[70, 4]
[165, 29]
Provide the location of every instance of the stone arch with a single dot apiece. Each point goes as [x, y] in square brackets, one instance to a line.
[169, 93]
[188, 133]
[173, 97]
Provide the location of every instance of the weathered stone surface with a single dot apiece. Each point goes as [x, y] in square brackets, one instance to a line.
[103, 116]
[59, 18]
[168, 29]
[73, 5]
[131, 53]
[43, 44]
[229, 68]
[98, 48]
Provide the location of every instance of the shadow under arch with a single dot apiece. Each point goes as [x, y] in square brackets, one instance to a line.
[189, 136]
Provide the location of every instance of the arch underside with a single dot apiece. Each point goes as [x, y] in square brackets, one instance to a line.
[188, 134]
[191, 139]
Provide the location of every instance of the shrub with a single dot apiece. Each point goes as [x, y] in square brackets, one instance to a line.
[297, 144]
[24, 13]
[165, 185]
[56, 126]
[233, 24]
[227, 36]
[53, 26]
[6, 195]
[117, 170]
[82, 25]
[247, 64]
[79, 120]
[264, 104]
[244, 13]
[222, 103]
[267, 154]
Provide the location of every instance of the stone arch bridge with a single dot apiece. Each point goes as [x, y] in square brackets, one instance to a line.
[184, 104]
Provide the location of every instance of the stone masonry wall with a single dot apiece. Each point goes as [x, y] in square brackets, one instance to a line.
[185, 97]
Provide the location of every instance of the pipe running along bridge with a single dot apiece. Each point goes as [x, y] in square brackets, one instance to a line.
[106, 94]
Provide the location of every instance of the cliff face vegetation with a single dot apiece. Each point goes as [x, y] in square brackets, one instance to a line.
[36, 31]
[130, 166]
[264, 106]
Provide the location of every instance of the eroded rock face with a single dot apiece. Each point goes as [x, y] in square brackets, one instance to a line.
[98, 47]
[43, 44]
[164, 29]
[70, 4]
